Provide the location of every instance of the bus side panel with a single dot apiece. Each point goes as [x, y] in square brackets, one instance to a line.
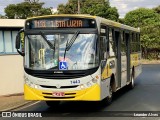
[123, 71]
[136, 63]
[109, 69]
[138, 68]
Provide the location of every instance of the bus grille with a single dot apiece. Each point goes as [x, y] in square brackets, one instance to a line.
[59, 76]
[62, 87]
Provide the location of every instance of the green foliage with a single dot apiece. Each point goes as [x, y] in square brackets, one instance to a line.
[70, 8]
[121, 20]
[149, 22]
[151, 36]
[2, 17]
[157, 9]
[141, 17]
[100, 8]
[26, 9]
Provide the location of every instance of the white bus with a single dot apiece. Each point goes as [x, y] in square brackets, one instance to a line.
[77, 58]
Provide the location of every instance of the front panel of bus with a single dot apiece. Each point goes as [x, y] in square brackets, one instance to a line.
[62, 59]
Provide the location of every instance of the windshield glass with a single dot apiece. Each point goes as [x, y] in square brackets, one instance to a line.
[39, 55]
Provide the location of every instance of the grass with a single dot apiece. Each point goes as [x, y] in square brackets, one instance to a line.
[146, 61]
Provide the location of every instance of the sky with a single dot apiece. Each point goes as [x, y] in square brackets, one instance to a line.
[123, 6]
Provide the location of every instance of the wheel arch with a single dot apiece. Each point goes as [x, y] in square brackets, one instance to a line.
[113, 82]
[133, 72]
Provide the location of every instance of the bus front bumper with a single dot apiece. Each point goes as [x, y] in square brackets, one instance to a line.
[88, 94]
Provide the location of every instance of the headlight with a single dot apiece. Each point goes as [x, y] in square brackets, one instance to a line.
[36, 86]
[26, 80]
[89, 84]
[94, 80]
[33, 85]
[82, 86]
[29, 83]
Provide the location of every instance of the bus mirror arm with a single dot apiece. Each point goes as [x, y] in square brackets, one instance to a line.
[21, 53]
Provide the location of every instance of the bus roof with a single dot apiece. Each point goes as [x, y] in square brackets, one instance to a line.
[116, 24]
[65, 15]
[102, 20]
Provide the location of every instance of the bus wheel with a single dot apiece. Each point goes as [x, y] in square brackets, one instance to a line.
[53, 104]
[108, 99]
[131, 85]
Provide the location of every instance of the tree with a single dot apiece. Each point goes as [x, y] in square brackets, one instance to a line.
[31, 1]
[121, 20]
[100, 8]
[2, 17]
[28, 8]
[157, 9]
[11, 11]
[148, 21]
[70, 8]
[141, 17]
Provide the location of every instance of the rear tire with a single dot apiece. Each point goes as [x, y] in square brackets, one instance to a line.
[131, 84]
[53, 104]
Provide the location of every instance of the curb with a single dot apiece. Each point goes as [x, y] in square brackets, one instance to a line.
[10, 95]
[18, 106]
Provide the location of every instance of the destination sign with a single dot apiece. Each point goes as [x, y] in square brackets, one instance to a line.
[60, 23]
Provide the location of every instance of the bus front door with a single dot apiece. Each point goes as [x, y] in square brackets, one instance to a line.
[118, 57]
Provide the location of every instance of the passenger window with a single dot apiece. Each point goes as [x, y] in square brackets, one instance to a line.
[112, 48]
[123, 43]
[104, 42]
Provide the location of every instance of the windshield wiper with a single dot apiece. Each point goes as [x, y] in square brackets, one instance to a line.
[48, 42]
[70, 43]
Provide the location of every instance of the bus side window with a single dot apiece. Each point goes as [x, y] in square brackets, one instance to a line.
[138, 42]
[112, 48]
[103, 47]
[104, 42]
[123, 43]
[131, 40]
[134, 46]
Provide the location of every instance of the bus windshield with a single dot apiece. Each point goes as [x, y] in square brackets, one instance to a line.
[41, 55]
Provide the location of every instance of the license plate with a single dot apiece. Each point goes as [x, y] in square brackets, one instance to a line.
[58, 94]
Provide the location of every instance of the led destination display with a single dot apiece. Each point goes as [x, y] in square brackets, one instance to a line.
[60, 23]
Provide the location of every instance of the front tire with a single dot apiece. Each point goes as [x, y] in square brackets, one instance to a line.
[108, 99]
[53, 104]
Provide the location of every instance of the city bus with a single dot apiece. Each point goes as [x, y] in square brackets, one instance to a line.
[77, 58]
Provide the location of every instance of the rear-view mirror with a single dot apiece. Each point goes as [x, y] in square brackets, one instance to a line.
[20, 42]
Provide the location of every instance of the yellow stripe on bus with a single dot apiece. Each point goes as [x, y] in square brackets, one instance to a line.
[89, 94]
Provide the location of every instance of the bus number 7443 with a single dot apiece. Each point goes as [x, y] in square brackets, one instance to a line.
[75, 81]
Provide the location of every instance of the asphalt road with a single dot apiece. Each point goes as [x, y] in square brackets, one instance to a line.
[144, 97]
